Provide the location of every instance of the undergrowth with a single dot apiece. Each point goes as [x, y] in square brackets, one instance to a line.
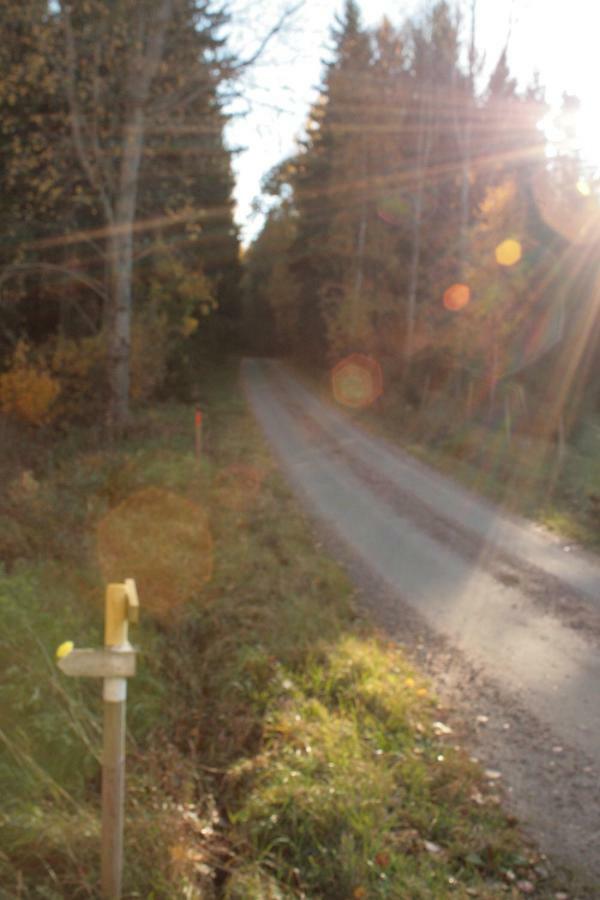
[278, 746]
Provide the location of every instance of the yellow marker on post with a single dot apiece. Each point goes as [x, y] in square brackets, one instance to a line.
[115, 663]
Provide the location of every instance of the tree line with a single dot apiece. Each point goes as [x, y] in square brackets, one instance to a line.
[426, 221]
[115, 183]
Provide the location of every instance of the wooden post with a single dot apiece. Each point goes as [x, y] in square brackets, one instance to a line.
[121, 607]
[198, 431]
[113, 787]
[115, 663]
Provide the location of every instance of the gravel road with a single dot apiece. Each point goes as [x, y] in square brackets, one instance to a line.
[504, 617]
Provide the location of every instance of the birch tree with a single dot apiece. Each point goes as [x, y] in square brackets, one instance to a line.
[103, 46]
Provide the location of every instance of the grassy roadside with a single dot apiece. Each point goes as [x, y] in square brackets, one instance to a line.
[519, 471]
[279, 747]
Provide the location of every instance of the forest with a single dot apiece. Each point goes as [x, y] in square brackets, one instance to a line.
[117, 211]
[428, 261]
[428, 222]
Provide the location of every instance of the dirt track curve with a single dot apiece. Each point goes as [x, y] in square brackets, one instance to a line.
[504, 619]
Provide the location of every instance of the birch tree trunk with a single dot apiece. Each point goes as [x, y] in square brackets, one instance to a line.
[120, 261]
[117, 191]
[143, 70]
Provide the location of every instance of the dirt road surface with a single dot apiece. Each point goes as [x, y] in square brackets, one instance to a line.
[504, 617]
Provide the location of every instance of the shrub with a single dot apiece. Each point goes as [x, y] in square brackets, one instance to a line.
[148, 360]
[79, 366]
[28, 390]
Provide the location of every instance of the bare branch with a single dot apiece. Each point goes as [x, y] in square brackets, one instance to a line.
[277, 27]
[76, 117]
[98, 154]
[91, 283]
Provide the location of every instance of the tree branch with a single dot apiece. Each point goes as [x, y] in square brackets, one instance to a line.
[286, 14]
[76, 118]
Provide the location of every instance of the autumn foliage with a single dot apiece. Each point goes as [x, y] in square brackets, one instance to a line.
[28, 390]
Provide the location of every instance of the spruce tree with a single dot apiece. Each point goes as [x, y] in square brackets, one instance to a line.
[330, 180]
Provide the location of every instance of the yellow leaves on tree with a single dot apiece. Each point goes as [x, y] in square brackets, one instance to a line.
[180, 293]
[189, 326]
[28, 391]
[498, 198]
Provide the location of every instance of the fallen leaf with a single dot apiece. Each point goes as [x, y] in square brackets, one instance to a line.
[441, 728]
[359, 893]
[382, 859]
[431, 847]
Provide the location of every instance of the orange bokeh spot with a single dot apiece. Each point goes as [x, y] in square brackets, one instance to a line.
[357, 381]
[508, 252]
[457, 296]
[163, 541]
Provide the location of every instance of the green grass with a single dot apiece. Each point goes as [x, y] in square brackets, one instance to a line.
[278, 745]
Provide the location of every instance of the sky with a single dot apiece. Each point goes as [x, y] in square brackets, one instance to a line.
[558, 39]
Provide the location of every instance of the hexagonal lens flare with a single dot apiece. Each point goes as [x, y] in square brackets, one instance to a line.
[357, 381]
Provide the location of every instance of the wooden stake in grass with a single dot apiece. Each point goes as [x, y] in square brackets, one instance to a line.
[198, 431]
[115, 663]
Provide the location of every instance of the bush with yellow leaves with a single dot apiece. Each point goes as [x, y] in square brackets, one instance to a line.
[29, 391]
[65, 379]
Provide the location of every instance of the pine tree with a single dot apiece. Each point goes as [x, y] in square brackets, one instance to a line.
[330, 181]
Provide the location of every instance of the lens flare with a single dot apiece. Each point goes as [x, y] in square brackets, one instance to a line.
[357, 381]
[393, 210]
[163, 541]
[583, 187]
[574, 213]
[456, 297]
[508, 252]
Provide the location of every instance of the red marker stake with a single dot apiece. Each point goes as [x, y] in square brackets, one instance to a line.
[198, 431]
